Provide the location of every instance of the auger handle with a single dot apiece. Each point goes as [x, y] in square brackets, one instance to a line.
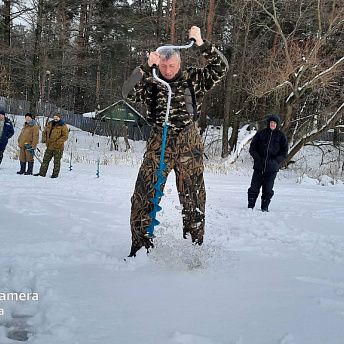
[192, 41]
[155, 67]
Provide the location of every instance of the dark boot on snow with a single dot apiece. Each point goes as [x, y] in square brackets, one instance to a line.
[265, 205]
[22, 168]
[251, 202]
[29, 169]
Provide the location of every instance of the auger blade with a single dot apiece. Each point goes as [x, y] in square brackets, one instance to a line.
[155, 222]
[157, 186]
[158, 193]
[156, 209]
[160, 180]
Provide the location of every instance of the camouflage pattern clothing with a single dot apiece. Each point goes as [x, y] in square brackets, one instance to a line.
[183, 154]
[184, 149]
[138, 88]
[48, 155]
[54, 135]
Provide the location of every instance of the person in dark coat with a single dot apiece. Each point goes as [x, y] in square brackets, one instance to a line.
[6, 132]
[269, 147]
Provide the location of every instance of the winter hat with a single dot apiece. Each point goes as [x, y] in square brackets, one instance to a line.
[29, 115]
[274, 118]
[2, 112]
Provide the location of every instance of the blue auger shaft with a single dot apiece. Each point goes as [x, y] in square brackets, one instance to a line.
[162, 166]
[70, 163]
[157, 186]
[97, 174]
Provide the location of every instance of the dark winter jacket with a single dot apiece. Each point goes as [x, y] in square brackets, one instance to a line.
[7, 133]
[269, 147]
[55, 134]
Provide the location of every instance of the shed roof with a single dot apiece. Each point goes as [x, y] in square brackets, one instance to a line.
[108, 114]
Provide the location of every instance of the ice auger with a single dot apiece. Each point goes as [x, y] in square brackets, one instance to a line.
[30, 149]
[162, 166]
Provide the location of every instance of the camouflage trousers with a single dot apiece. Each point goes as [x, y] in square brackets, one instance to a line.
[48, 155]
[183, 154]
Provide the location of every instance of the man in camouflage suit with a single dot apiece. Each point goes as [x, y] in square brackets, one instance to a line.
[184, 148]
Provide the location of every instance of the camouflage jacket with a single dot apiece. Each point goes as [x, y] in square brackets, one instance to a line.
[138, 88]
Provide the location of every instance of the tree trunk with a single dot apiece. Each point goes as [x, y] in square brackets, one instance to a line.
[126, 137]
[167, 17]
[235, 132]
[239, 89]
[58, 74]
[34, 94]
[210, 19]
[98, 77]
[79, 103]
[7, 23]
[228, 101]
[336, 137]
[159, 21]
[173, 22]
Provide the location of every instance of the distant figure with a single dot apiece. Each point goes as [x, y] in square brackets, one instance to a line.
[29, 135]
[54, 136]
[269, 147]
[6, 132]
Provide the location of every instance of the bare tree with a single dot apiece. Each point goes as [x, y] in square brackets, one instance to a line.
[299, 67]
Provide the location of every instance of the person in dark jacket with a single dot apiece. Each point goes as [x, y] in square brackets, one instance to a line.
[6, 132]
[269, 147]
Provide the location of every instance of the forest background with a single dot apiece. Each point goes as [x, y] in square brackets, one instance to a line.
[286, 57]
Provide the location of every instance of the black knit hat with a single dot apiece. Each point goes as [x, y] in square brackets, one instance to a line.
[2, 112]
[29, 115]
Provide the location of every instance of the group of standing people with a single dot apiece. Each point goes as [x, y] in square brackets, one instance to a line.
[54, 135]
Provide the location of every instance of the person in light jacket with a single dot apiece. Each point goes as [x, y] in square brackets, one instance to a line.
[269, 147]
[54, 136]
[29, 135]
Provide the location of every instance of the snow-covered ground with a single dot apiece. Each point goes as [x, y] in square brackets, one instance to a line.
[259, 278]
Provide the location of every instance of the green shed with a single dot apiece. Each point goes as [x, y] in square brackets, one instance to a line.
[121, 113]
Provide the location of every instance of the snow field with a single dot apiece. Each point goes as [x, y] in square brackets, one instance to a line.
[259, 278]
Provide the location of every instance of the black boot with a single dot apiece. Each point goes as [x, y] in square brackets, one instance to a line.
[22, 168]
[265, 205]
[251, 202]
[29, 169]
